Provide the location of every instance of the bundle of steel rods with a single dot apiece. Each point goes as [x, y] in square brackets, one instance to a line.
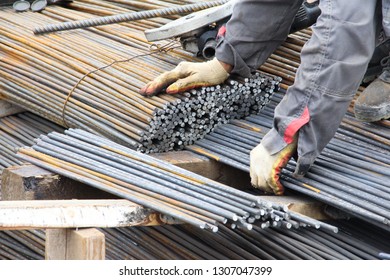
[22, 245]
[203, 109]
[351, 174]
[58, 77]
[356, 240]
[20, 130]
[153, 183]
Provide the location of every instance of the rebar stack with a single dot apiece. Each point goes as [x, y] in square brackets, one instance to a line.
[153, 183]
[200, 110]
[60, 78]
[22, 245]
[20, 130]
[356, 240]
[351, 174]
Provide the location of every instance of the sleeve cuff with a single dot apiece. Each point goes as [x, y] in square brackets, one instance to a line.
[225, 52]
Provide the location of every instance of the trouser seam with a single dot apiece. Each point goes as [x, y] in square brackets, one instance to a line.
[313, 85]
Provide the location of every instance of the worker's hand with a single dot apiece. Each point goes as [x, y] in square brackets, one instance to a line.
[186, 76]
[265, 168]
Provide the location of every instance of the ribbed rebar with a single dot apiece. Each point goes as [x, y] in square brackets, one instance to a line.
[185, 9]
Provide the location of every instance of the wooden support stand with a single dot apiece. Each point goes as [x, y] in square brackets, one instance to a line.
[301, 204]
[70, 244]
[61, 217]
[29, 182]
[102, 213]
[207, 167]
[7, 109]
[236, 178]
[23, 187]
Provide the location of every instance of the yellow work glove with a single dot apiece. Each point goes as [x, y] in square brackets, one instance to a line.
[265, 168]
[186, 76]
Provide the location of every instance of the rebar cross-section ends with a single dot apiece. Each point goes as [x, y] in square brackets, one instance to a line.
[197, 112]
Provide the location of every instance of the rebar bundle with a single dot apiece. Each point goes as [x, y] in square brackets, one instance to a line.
[20, 130]
[90, 79]
[22, 245]
[351, 174]
[153, 183]
[356, 240]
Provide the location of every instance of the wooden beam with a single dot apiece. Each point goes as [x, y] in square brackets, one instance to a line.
[30, 182]
[76, 214]
[55, 244]
[193, 162]
[7, 109]
[85, 244]
[239, 179]
[301, 204]
[71, 244]
[207, 167]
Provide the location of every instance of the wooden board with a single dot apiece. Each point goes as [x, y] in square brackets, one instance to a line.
[30, 182]
[75, 214]
[7, 109]
[70, 244]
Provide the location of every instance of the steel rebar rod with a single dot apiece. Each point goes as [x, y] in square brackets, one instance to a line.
[128, 17]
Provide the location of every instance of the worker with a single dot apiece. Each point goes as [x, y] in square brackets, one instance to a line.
[373, 104]
[333, 63]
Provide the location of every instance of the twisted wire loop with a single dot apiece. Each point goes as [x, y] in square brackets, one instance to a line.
[153, 49]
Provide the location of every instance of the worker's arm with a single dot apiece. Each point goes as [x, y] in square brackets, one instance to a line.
[254, 31]
[333, 63]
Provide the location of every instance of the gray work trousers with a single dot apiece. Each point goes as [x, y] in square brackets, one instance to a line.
[333, 63]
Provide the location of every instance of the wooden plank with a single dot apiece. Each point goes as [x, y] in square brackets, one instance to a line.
[70, 244]
[238, 179]
[76, 214]
[85, 244]
[30, 182]
[7, 109]
[55, 244]
[301, 204]
[21, 182]
[193, 162]
[207, 167]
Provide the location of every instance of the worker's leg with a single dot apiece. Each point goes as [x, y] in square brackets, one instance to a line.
[256, 29]
[333, 63]
[374, 102]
